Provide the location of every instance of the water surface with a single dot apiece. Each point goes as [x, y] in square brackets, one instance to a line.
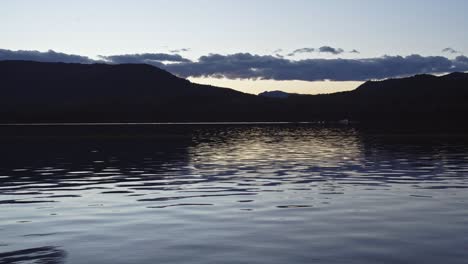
[240, 193]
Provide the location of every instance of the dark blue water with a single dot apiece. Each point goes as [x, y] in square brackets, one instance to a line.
[232, 194]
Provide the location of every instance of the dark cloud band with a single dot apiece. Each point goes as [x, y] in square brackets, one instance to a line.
[49, 56]
[250, 66]
[156, 59]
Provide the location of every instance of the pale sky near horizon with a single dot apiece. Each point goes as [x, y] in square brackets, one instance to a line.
[373, 27]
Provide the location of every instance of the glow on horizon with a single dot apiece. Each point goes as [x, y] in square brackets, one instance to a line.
[259, 86]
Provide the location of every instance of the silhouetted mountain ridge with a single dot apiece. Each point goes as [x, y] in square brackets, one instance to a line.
[34, 91]
[61, 92]
[418, 98]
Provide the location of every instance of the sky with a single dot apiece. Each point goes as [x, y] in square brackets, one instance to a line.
[302, 46]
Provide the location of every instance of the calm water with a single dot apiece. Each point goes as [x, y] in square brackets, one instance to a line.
[231, 194]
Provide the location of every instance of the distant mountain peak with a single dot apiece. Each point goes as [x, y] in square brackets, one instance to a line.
[275, 94]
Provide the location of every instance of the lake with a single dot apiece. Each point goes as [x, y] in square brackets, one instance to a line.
[232, 193]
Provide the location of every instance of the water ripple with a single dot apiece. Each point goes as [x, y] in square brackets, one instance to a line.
[282, 193]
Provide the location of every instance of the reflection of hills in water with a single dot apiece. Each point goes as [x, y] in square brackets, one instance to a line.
[46, 164]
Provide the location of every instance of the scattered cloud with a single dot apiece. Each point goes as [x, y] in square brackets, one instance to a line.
[251, 66]
[323, 49]
[328, 49]
[48, 56]
[278, 51]
[450, 50]
[179, 50]
[355, 51]
[303, 50]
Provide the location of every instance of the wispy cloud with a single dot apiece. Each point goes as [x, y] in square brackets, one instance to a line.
[323, 49]
[180, 50]
[302, 50]
[328, 49]
[450, 50]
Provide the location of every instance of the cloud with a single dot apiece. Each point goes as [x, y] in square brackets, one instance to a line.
[461, 63]
[323, 49]
[328, 49]
[303, 50]
[450, 50]
[278, 51]
[48, 56]
[461, 59]
[249, 66]
[180, 50]
[156, 59]
[355, 51]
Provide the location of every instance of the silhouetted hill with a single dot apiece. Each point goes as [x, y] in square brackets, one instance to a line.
[422, 98]
[34, 91]
[59, 92]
